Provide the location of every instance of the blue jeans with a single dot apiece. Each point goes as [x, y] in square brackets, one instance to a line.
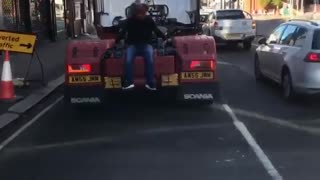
[146, 51]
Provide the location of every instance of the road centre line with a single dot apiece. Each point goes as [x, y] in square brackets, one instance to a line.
[267, 164]
[24, 127]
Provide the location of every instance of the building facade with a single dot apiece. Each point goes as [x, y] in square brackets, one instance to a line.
[252, 6]
[43, 17]
[79, 17]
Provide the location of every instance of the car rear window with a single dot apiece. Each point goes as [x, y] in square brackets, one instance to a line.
[316, 40]
[232, 14]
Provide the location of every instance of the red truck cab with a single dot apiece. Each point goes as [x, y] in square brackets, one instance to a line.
[186, 67]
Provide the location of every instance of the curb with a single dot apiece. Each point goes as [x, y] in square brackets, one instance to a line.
[30, 101]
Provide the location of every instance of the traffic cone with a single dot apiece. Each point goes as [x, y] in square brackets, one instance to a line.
[6, 84]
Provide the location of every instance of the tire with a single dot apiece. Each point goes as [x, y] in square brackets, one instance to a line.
[247, 45]
[232, 44]
[257, 70]
[286, 85]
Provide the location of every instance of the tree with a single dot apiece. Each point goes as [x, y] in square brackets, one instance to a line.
[277, 3]
[264, 3]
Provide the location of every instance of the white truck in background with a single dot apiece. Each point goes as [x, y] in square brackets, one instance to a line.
[112, 10]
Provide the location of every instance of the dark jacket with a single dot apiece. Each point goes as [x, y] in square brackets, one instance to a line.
[139, 31]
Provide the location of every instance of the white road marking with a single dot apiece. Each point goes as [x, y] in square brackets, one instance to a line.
[110, 139]
[81, 142]
[273, 172]
[182, 128]
[225, 63]
[273, 120]
[24, 127]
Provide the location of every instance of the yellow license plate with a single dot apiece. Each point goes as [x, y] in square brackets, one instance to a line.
[233, 35]
[84, 79]
[196, 75]
[169, 80]
[113, 82]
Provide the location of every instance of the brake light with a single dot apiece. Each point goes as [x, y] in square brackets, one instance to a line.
[195, 64]
[216, 26]
[213, 65]
[79, 68]
[254, 25]
[313, 57]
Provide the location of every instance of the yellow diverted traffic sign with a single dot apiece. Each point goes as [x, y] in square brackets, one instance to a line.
[17, 42]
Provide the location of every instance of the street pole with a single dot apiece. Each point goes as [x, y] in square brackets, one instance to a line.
[291, 9]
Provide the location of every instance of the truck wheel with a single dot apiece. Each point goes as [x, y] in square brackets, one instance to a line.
[247, 45]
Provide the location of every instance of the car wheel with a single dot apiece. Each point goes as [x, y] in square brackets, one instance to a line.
[232, 44]
[257, 69]
[247, 45]
[287, 88]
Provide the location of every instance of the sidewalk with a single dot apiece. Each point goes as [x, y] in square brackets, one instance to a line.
[52, 56]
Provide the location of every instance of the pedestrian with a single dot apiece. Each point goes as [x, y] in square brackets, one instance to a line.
[133, 7]
[139, 29]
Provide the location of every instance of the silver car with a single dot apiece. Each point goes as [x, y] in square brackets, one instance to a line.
[291, 57]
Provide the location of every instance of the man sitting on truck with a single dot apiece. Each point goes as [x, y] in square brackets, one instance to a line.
[139, 28]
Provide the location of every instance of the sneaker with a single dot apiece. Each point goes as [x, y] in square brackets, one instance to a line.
[131, 86]
[151, 88]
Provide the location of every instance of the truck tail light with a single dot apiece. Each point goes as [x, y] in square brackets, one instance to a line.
[203, 65]
[313, 57]
[79, 68]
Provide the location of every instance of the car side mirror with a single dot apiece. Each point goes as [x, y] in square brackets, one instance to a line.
[262, 40]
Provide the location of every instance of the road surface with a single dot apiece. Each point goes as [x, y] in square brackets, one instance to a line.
[252, 133]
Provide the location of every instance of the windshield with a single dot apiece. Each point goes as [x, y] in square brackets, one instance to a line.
[232, 14]
[316, 40]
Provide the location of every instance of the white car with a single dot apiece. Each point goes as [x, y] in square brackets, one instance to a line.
[291, 57]
[231, 26]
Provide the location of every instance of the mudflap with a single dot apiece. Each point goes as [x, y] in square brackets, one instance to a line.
[202, 93]
[84, 95]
